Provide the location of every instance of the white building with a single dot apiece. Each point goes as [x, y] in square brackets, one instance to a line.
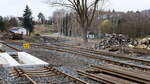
[19, 30]
[90, 35]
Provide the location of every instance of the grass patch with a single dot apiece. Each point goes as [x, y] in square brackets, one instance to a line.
[43, 29]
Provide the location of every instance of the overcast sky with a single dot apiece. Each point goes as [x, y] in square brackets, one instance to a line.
[16, 7]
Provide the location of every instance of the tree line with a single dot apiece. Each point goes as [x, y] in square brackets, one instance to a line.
[25, 21]
[133, 24]
[8, 22]
[84, 18]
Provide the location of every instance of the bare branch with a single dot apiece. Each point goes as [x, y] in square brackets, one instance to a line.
[85, 10]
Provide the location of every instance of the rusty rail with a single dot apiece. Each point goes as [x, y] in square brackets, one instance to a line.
[71, 77]
[85, 53]
[127, 74]
[105, 78]
[146, 62]
[83, 50]
[21, 73]
[112, 74]
[46, 71]
[96, 56]
[16, 49]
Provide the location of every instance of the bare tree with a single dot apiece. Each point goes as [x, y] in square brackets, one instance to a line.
[41, 17]
[84, 9]
[58, 18]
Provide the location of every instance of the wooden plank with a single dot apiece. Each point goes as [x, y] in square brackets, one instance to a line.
[39, 73]
[33, 82]
[106, 78]
[126, 74]
[99, 79]
[123, 68]
[135, 50]
[119, 80]
[69, 76]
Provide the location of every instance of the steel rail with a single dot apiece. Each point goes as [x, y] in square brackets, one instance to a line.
[94, 56]
[121, 56]
[16, 49]
[21, 73]
[125, 73]
[46, 72]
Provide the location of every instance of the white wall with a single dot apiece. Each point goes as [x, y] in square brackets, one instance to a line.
[22, 31]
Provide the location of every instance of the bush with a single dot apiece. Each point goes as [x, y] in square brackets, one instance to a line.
[106, 26]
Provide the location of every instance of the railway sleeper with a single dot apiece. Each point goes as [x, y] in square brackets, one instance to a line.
[107, 79]
[138, 77]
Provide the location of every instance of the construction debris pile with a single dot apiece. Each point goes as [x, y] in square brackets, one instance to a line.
[11, 36]
[144, 43]
[115, 40]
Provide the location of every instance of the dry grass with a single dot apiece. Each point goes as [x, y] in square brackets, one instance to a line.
[42, 29]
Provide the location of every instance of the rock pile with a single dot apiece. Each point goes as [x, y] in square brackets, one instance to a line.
[115, 40]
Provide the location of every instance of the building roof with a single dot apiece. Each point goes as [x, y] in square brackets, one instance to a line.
[16, 28]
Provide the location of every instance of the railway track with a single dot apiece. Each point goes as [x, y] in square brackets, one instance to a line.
[111, 74]
[45, 75]
[9, 46]
[121, 56]
[97, 55]
[107, 75]
[144, 64]
[39, 76]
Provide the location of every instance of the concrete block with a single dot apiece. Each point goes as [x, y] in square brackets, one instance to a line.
[28, 59]
[5, 58]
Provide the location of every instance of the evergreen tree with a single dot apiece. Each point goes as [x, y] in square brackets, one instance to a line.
[27, 20]
[2, 24]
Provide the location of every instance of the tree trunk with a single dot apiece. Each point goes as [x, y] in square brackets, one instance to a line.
[84, 35]
[27, 33]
